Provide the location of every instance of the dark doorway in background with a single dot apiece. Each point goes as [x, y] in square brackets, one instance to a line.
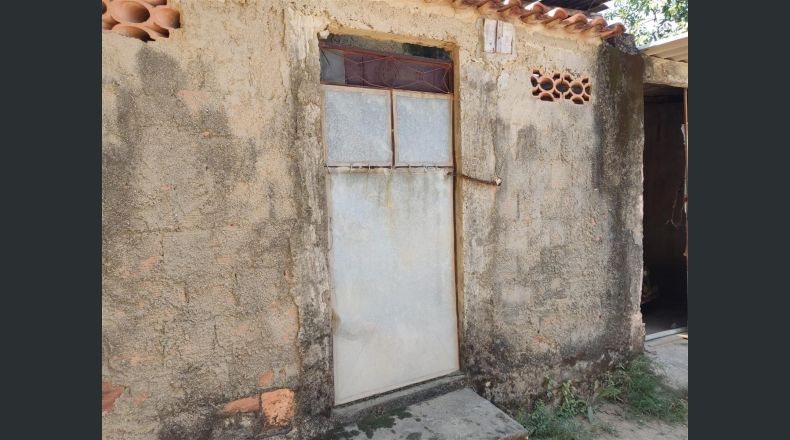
[664, 294]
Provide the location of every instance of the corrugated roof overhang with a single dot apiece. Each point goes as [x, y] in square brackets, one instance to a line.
[673, 48]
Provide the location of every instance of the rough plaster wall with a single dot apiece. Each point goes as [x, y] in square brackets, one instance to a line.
[215, 281]
[552, 258]
[207, 222]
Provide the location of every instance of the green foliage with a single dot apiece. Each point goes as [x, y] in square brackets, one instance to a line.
[560, 423]
[570, 403]
[543, 422]
[635, 385]
[651, 20]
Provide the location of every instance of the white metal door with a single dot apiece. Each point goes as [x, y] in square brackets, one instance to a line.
[391, 239]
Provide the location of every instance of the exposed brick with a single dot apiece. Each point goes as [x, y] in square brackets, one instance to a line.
[150, 262]
[278, 407]
[243, 405]
[265, 378]
[109, 393]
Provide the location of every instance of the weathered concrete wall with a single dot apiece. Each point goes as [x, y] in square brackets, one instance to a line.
[666, 72]
[552, 259]
[210, 225]
[215, 283]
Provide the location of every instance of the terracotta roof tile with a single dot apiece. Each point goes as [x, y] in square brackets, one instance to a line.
[536, 13]
[153, 19]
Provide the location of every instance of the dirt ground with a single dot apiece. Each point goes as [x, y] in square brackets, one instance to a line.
[627, 427]
[670, 355]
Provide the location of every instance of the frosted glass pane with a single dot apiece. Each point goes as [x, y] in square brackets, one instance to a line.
[357, 126]
[422, 134]
[392, 266]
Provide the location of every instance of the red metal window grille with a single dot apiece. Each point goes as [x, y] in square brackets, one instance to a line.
[355, 67]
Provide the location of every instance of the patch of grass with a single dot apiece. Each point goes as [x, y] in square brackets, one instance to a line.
[636, 386]
[571, 404]
[544, 422]
[564, 421]
[633, 384]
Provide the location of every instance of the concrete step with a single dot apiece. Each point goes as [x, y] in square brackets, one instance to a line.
[460, 414]
[401, 398]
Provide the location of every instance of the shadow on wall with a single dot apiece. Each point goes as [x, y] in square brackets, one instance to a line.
[161, 151]
[508, 363]
[145, 119]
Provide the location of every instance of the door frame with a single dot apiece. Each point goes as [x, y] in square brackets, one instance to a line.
[453, 171]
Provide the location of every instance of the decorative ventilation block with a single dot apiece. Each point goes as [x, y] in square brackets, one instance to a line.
[560, 86]
[142, 19]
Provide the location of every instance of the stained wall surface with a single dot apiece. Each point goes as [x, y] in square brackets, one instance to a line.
[215, 282]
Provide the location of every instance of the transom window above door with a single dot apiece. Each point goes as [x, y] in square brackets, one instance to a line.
[386, 110]
[392, 128]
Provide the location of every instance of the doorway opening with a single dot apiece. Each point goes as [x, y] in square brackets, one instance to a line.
[664, 283]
